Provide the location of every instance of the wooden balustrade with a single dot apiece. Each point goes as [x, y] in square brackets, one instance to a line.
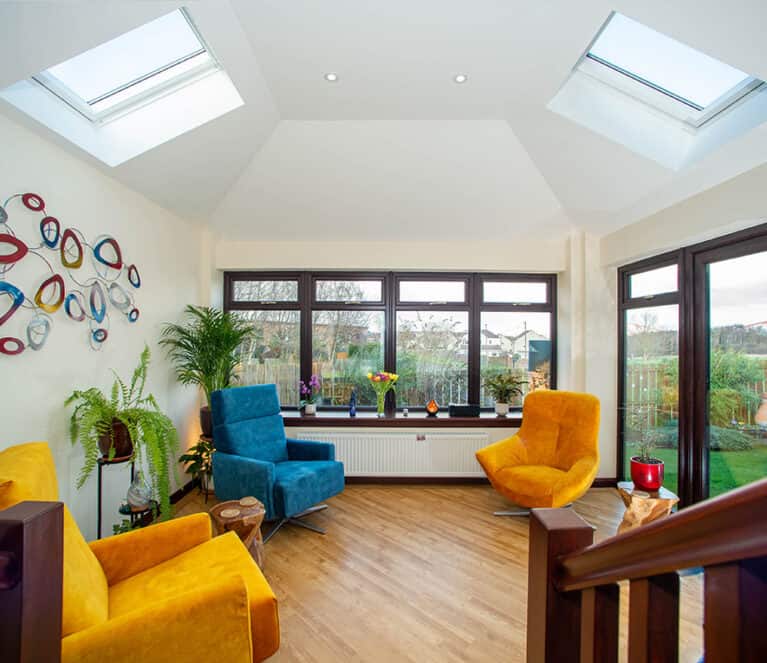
[573, 598]
[31, 576]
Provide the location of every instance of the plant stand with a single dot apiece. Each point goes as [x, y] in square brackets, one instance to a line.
[642, 507]
[105, 461]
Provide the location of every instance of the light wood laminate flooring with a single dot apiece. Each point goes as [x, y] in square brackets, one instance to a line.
[421, 573]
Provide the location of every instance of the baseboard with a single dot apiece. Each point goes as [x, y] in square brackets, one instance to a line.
[602, 482]
[184, 490]
[416, 480]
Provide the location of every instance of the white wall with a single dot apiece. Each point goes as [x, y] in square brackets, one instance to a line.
[34, 385]
[733, 205]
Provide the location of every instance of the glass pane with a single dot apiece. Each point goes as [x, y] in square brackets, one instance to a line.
[346, 346]
[516, 342]
[654, 282]
[665, 62]
[273, 355]
[432, 351]
[348, 291]
[737, 403]
[510, 292]
[265, 291]
[651, 405]
[432, 291]
[128, 57]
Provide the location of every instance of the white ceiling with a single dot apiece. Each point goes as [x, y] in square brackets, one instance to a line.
[395, 141]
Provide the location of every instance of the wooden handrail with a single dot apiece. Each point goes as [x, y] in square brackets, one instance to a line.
[723, 529]
[574, 601]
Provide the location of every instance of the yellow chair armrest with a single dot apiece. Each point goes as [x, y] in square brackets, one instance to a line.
[125, 555]
[577, 480]
[208, 623]
[508, 452]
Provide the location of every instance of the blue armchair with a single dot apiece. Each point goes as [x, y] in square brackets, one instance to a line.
[253, 457]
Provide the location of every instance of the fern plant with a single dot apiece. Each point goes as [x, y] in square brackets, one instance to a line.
[154, 438]
[205, 348]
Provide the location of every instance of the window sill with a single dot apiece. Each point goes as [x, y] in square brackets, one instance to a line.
[414, 420]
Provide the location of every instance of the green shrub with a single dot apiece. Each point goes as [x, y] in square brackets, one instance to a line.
[721, 439]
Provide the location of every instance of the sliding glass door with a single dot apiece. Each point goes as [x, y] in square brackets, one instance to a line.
[693, 363]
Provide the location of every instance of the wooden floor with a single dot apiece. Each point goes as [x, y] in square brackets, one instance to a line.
[421, 573]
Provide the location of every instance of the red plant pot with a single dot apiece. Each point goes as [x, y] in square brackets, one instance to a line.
[647, 476]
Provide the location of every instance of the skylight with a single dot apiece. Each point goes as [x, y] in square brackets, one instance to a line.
[664, 63]
[663, 72]
[657, 96]
[131, 69]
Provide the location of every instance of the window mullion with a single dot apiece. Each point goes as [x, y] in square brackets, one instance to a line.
[390, 340]
[474, 350]
[305, 303]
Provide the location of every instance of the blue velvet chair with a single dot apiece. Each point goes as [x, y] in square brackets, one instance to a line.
[253, 457]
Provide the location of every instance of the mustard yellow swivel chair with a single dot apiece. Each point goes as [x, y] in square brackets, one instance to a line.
[168, 592]
[553, 459]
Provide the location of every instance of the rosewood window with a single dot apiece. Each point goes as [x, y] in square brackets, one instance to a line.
[443, 333]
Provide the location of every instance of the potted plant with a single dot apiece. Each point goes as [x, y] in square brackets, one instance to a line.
[309, 394]
[125, 423]
[199, 463]
[503, 387]
[646, 470]
[204, 351]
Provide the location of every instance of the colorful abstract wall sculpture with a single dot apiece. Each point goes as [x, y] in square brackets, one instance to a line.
[84, 293]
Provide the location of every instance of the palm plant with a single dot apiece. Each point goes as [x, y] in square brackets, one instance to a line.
[204, 349]
[154, 438]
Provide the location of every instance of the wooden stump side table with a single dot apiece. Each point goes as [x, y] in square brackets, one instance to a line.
[642, 507]
[243, 517]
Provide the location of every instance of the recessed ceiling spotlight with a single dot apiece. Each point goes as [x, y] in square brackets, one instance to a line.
[331, 77]
[460, 78]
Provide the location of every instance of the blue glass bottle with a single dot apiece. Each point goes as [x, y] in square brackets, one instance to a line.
[353, 404]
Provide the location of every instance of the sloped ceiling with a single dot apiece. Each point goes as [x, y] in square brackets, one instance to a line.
[395, 141]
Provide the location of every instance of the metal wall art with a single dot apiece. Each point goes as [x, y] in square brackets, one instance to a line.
[92, 269]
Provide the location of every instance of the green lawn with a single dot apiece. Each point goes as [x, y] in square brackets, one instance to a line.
[729, 469]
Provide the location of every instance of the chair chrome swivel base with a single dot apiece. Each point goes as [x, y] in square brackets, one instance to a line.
[523, 512]
[294, 520]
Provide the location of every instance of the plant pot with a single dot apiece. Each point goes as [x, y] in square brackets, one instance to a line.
[501, 409]
[310, 408]
[206, 422]
[647, 476]
[122, 442]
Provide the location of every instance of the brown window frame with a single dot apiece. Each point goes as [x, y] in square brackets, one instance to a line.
[390, 304]
[693, 346]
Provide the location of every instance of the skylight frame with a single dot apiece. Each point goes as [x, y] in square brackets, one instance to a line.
[690, 113]
[85, 108]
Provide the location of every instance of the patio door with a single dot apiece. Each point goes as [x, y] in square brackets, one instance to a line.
[692, 344]
[730, 319]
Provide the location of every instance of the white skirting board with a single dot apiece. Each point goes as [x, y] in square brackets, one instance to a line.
[404, 454]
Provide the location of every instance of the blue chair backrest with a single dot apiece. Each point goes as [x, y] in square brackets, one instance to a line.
[247, 422]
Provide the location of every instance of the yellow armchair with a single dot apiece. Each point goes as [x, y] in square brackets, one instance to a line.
[554, 457]
[167, 592]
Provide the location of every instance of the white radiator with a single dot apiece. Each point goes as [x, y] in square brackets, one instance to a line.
[405, 454]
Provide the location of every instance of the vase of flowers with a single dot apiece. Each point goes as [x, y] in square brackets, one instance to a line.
[382, 383]
[309, 394]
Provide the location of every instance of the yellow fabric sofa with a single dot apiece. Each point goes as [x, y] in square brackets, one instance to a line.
[168, 592]
[554, 457]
